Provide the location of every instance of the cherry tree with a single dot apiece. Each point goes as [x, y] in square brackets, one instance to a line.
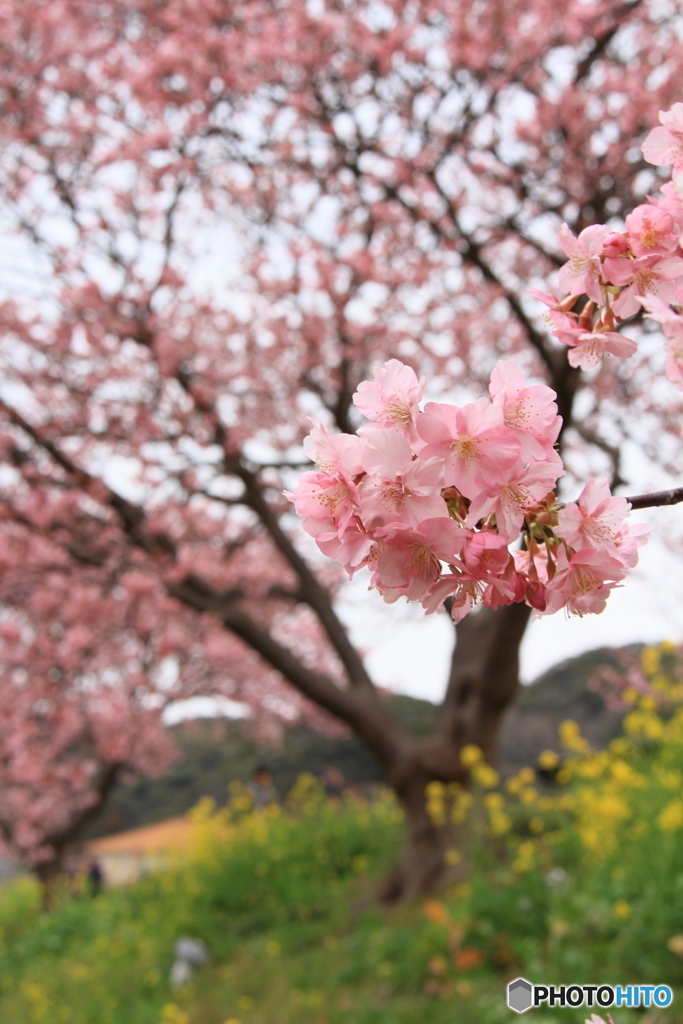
[231, 216]
[91, 652]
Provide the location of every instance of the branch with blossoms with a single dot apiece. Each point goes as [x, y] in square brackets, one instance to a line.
[432, 500]
[611, 276]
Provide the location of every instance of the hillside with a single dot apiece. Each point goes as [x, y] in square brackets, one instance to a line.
[284, 901]
[212, 753]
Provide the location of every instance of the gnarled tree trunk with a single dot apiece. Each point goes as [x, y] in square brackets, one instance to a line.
[483, 682]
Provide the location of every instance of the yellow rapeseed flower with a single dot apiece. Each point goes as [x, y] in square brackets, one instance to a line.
[571, 738]
[470, 755]
[671, 818]
[484, 775]
[548, 760]
[172, 1014]
[650, 660]
[622, 910]
[500, 823]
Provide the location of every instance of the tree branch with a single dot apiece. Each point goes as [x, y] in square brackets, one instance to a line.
[657, 498]
[58, 840]
[360, 707]
[366, 715]
[312, 591]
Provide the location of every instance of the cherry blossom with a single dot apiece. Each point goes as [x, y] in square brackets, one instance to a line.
[594, 519]
[472, 440]
[646, 275]
[225, 217]
[391, 399]
[434, 522]
[650, 231]
[410, 559]
[664, 145]
[587, 348]
[333, 452]
[583, 581]
[530, 412]
[672, 324]
[582, 272]
[518, 488]
[620, 272]
[398, 488]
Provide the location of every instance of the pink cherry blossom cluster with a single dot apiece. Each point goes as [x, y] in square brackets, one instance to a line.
[432, 500]
[622, 273]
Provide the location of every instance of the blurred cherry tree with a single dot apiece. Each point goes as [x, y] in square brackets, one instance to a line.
[231, 213]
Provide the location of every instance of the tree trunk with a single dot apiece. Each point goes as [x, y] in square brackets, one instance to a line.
[50, 874]
[483, 682]
[423, 866]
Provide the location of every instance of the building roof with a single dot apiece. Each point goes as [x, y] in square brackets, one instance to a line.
[172, 834]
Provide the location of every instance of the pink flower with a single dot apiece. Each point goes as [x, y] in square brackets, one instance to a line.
[582, 272]
[563, 325]
[410, 559]
[320, 496]
[673, 364]
[529, 411]
[627, 542]
[647, 275]
[488, 575]
[651, 231]
[350, 546]
[473, 440]
[594, 520]
[392, 399]
[465, 593]
[588, 347]
[516, 489]
[673, 329]
[615, 244]
[583, 583]
[671, 201]
[664, 145]
[485, 555]
[398, 488]
[503, 591]
[334, 453]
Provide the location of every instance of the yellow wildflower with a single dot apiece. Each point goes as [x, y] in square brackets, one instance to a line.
[622, 910]
[470, 755]
[671, 817]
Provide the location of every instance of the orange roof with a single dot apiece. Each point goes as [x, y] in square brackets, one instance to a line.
[172, 834]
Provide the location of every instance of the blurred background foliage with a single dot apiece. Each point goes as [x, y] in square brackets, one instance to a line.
[214, 752]
[575, 872]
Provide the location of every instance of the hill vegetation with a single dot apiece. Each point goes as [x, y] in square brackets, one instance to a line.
[582, 880]
[213, 753]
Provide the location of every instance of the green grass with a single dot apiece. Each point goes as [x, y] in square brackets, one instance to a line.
[285, 903]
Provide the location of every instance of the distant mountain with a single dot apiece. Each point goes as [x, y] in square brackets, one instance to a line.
[216, 752]
[562, 692]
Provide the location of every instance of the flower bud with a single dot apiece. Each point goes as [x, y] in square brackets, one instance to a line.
[615, 244]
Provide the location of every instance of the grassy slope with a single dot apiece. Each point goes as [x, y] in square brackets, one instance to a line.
[285, 905]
